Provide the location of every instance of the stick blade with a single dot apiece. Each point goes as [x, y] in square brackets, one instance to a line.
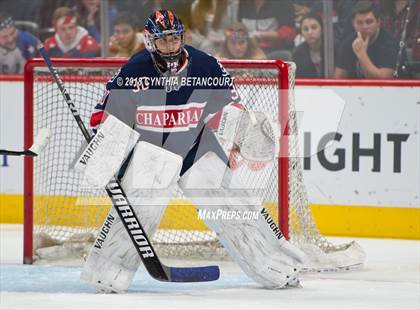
[40, 141]
[194, 274]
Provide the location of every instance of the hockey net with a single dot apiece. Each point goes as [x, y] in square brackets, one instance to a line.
[62, 218]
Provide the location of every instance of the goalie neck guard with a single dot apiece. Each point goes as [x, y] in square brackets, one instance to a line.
[160, 25]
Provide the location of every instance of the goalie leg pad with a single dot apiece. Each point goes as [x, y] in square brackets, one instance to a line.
[255, 244]
[149, 183]
[105, 153]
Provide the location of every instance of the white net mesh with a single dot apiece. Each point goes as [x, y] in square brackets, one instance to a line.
[66, 216]
[322, 254]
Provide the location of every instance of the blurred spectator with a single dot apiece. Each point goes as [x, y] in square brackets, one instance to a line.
[89, 13]
[143, 8]
[182, 9]
[70, 39]
[372, 53]
[238, 44]
[211, 17]
[302, 8]
[21, 10]
[46, 9]
[343, 27]
[192, 36]
[394, 15]
[126, 40]
[342, 21]
[395, 21]
[308, 56]
[271, 22]
[134, 5]
[197, 40]
[16, 46]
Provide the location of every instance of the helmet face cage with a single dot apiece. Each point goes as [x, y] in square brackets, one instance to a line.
[159, 25]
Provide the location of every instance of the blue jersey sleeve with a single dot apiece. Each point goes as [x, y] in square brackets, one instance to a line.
[27, 44]
[123, 79]
[226, 93]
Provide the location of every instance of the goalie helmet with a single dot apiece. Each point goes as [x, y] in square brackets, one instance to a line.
[160, 25]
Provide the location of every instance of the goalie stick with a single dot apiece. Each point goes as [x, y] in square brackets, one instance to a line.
[128, 217]
[40, 142]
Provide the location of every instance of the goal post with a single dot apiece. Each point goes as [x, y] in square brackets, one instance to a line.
[61, 218]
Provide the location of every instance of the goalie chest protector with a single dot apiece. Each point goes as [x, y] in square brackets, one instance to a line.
[170, 111]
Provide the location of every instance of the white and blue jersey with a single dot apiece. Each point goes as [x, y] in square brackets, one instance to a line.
[13, 61]
[170, 111]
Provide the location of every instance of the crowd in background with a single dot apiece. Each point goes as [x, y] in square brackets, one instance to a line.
[372, 39]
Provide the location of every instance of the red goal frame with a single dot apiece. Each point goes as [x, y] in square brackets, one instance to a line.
[282, 80]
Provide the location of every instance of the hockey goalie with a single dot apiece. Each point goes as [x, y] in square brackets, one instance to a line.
[158, 128]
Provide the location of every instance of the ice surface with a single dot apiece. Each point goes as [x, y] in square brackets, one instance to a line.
[390, 280]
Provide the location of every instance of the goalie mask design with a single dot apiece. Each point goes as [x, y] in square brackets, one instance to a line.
[160, 25]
